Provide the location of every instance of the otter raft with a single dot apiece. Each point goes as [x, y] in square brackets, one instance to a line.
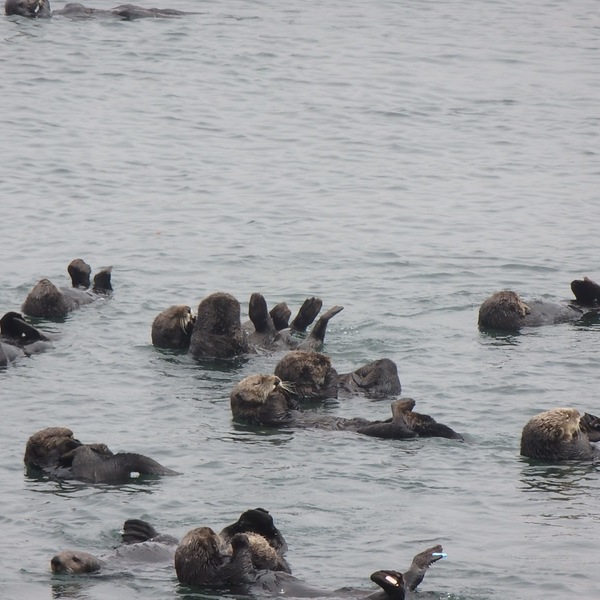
[277, 276]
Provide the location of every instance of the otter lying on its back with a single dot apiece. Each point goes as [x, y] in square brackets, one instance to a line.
[57, 453]
[48, 301]
[263, 400]
[141, 544]
[561, 434]
[199, 561]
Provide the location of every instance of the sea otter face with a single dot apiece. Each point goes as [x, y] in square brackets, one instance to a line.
[74, 563]
[27, 8]
[560, 424]
[172, 328]
[306, 371]
[258, 388]
[45, 447]
[503, 310]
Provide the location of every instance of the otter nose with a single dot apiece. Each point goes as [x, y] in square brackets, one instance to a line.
[56, 564]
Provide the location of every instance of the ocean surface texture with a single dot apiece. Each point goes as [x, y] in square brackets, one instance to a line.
[402, 159]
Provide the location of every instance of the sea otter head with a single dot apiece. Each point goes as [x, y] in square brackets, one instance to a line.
[199, 557]
[28, 8]
[258, 388]
[556, 435]
[503, 310]
[558, 424]
[219, 313]
[309, 374]
[74, 563]
[45, 300]
[46, 447]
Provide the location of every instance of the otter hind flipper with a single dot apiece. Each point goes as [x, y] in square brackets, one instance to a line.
[136, 530]
[307, 314]
[420, 563]
[391, 582]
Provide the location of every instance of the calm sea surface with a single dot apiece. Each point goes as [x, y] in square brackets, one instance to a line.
[403, 159]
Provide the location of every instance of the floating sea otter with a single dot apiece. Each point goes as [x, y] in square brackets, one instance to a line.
[199, 561]
[264, 400]
[310, 375]
[46, 300]
[41, 9]
[217, 330]
[18, 338]
[57, 453]
[141, 544]
[506, 311]
[561, 434]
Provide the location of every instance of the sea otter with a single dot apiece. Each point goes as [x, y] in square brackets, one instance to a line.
[506, 311]
[264, 400]
[199, 561]
[48, 301]
[15, 331]
[55, 452]
[172, 328]
[141, 544]
[41, 9]
[311, 375]
[561, 434]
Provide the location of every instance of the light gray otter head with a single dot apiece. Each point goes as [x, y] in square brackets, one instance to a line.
[556, 435]
[308, 374]
[172, 328]
[75, 562]
[260, 400]
[28, 8]
[503, 310]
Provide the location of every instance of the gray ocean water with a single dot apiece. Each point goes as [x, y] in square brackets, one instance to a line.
[402, 159]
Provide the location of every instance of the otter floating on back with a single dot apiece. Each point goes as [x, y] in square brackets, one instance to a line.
[55, 452]
[48, 301]
[199, 561]
[263, 400]
[561, 434]
[41, 9]
[506, 311]
[141, 543]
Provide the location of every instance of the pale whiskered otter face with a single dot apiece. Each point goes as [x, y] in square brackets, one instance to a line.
[74, 563]
[187, 319]
[559, 423]
[260, 387]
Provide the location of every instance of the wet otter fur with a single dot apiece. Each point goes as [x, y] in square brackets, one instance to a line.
[218, 332]
[263, 400]
[55, 452]
[141, 543]
[172, 328]
[560, 434]
[199, 561]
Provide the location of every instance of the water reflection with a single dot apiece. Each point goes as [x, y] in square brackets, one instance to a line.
[561, 481]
